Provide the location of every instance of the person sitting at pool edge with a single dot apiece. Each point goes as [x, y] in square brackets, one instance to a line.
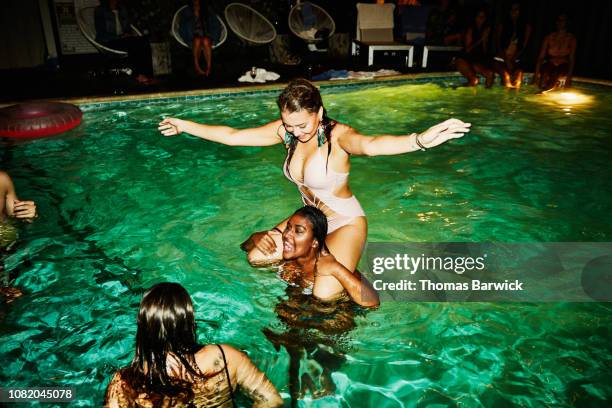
[11, 206]
[309, 264]
[557, 57]
[318, 160]
[170, 368]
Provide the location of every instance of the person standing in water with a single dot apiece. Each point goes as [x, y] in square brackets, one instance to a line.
[171, 369]
[307, 262]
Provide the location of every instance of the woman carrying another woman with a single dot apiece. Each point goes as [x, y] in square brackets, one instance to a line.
[307, 262]
[318, 162]
[170, 368]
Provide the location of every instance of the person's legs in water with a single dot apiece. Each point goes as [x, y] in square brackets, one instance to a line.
[485, 71]
[518, 78]
[551, 74]
[503, 71]
[545, 74]
[466, 70]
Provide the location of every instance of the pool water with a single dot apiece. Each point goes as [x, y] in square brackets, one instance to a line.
[122, 208]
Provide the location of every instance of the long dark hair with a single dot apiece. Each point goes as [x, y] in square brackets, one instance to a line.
[302, 94]
[318, 221]
[166, 324]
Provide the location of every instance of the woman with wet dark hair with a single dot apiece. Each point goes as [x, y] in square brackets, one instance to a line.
[318, 163]
[308, 263]
[170, 368]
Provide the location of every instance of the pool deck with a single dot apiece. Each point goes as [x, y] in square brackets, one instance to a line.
[275, 86]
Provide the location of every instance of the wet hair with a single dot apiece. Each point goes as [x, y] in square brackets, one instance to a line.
[298, 95]
[318, 222]
[166, 324]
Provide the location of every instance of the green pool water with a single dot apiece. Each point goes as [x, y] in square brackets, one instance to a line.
[122, 208]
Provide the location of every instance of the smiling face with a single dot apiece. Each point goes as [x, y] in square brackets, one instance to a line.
[302, 124]
[298, 238]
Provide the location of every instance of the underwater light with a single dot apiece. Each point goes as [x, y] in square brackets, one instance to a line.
[565, 98]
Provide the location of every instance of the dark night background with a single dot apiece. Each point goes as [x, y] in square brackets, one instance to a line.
[27, 72]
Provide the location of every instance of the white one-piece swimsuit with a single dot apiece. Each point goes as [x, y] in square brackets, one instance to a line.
[318, 188]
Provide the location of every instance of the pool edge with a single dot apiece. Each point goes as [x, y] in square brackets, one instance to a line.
[263, 88]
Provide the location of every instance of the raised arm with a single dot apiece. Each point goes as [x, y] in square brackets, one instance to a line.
[356, 286]
[252, 381]
[265, 135]
[384, 145]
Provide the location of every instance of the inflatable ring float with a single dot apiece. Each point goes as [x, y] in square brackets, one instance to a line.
[38, 119]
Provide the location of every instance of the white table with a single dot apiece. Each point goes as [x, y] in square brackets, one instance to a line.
[386, 46]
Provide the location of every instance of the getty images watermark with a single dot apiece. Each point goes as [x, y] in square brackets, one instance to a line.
[535, 272]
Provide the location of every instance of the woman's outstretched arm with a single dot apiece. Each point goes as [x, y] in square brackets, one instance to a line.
[265, 135]
[355, 143]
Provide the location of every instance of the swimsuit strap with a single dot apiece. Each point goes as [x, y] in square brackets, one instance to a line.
[228, 376]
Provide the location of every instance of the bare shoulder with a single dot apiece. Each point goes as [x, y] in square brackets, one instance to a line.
[343, 133]
[341, 129]
[209, 358]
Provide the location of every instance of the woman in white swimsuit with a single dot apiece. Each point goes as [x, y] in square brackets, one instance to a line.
[318, 163]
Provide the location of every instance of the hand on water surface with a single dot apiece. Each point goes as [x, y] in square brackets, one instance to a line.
[440, 133]
[24, 210]
[170, 126]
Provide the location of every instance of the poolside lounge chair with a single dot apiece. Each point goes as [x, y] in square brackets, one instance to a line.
[249, 25]
[85, 21]
[181, 18]
[311, 23]
[375, 31]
